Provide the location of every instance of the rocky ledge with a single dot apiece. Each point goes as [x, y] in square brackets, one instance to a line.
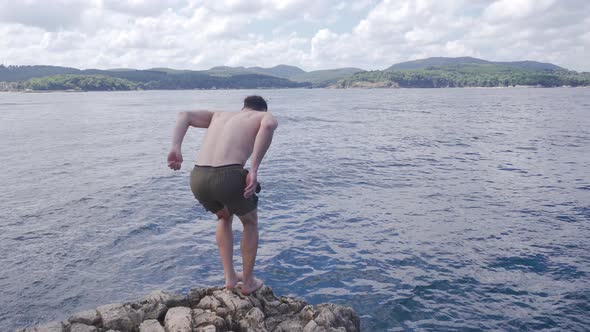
[208, 310]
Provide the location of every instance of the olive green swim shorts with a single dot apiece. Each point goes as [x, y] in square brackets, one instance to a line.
[218, 186]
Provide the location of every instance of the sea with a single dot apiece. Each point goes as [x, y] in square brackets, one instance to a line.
[422, 209]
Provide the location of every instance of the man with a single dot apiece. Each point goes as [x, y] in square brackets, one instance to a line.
[221, 184]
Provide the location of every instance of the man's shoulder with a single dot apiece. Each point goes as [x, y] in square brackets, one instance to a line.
[224, 113]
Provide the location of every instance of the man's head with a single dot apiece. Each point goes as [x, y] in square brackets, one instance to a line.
[256, 103]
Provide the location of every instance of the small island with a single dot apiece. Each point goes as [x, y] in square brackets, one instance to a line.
[208, 310]
[438, 72]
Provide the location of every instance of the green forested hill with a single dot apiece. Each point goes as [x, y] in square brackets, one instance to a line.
[194, 80]
[444, 62]
[283, 71]
[165, 78]
[323, 78]
[78, 82]
[424, 73]
[466, 72]
[23, 73]
[63, 78]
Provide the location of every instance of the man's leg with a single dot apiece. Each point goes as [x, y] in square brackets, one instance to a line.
[249, 246]
[225, 243]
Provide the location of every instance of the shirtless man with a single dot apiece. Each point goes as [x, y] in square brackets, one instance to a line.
[220, 182]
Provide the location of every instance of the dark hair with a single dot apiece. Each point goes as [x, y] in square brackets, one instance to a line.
[256, 103]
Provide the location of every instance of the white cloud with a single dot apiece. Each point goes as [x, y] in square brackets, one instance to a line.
[50, 15]
[198, 34]
[516, 9]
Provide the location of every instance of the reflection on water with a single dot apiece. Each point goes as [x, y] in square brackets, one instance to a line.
[424, 209]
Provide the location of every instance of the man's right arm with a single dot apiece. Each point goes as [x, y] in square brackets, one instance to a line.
[199, 119]
[268, 124]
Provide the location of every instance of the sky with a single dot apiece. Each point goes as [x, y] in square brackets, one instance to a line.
[310, 34]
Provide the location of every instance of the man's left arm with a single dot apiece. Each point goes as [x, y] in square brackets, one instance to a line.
[268, 124]
[199, 119]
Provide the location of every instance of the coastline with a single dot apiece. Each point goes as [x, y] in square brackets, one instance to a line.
[310, 88]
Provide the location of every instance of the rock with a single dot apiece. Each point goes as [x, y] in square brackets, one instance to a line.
[233, 301]
[179, 319]
[289, 326]
[156, 304]
[334, 316]
[208, 328]
[253, 321]
[255, 316]
[270, 323]
[209, 302]
[118, 316]
[211, 309]
[77, 327]
[231, 323]
[306, 314]
[88, 317]
[168, 298]
[153, 310]
[151, 325]
[205, 318]
[55, 326]
[312, 326]
[295, 305]
[195, 295]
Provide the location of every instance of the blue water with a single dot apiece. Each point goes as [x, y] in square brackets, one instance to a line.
[430, 210]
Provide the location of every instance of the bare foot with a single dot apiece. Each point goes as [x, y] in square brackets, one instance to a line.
[251, 287]
[232, 282]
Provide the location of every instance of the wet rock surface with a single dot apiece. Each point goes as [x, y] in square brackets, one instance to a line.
[208, 309]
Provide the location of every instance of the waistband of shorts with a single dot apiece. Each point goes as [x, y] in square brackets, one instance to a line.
[222, 167]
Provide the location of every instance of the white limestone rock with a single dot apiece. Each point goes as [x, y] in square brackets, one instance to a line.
[88, 317]
[118, 316]
[151, 325]
[179, 319]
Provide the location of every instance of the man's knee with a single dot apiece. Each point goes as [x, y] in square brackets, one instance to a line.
[250, 218]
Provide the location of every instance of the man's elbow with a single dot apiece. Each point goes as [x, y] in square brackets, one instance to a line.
[182, 115]
[269, 125]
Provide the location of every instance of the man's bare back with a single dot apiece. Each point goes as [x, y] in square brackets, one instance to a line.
[221, 184]
[230, 137]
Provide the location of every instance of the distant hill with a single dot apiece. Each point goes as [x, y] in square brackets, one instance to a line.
[323, 78]
[168, 70]
[530, 65]
[283, 71]
[434, 72]
[318, 78]
[63, 78]
[225, 71]
[466, 72]
[441, 62]
[121, 69]
[23, 73]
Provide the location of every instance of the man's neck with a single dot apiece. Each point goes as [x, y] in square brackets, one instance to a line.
[246, 109]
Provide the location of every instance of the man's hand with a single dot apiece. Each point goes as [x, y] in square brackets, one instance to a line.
[174, 159]
[251, 183]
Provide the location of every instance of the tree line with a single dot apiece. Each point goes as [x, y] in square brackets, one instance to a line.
[167, 82]
[469, 76]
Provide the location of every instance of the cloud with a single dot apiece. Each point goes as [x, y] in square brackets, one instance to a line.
[143, 7]
[49, 15]
[370, 34]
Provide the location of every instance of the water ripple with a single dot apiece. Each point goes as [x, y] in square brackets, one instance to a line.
[429, 210]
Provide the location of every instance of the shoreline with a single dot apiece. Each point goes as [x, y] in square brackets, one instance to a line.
[322, 88]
